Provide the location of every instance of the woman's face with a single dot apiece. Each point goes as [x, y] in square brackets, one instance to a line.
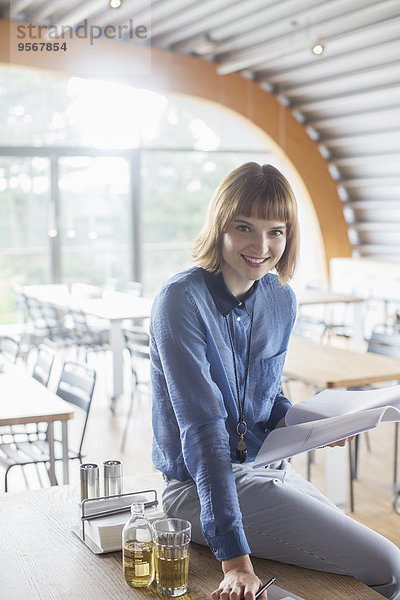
[250, 248]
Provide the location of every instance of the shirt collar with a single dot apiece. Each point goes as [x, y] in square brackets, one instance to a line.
[224, 300]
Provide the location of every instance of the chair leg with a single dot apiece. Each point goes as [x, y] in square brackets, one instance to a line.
[396, 447]
[6, 477]
[128, 418]
[351, 476]
[355, 462]
[47, 468]
[310, 460]
[6, 480]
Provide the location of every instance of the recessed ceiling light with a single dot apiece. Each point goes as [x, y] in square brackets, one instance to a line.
[318, 48]
[115, 3]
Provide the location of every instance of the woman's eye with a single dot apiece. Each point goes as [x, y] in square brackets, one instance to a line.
[242, 228]
[276, 232]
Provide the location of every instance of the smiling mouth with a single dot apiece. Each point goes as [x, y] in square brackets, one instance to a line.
[253, 260]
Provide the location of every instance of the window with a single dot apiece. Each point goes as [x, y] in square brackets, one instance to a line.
[94, 219]
[24, 243]
[102, 181]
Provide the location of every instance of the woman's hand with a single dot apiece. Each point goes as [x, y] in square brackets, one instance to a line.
[239, 581]
[280, 423]
[340, 442]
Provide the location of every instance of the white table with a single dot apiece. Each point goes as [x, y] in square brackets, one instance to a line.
[25, 400]
[325, 366]
[309, 297]
[112, 306]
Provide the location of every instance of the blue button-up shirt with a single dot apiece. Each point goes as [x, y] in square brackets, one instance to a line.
[195, 408]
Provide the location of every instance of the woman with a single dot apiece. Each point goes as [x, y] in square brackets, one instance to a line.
[219, 335]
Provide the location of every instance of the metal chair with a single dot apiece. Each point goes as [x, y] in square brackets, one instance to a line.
[41, 372]
[43, 365]
[137, 342]
[314, 330]
[384, 340]
[88, 337]
[9, 348]
[76, 386]
[34, 330]
[310, 329]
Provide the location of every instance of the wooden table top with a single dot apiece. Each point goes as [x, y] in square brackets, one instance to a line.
[310, 296]
[25, 400]
[41, 559]
[328, 367]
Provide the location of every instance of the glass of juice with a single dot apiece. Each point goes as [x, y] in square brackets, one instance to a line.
[171, 539]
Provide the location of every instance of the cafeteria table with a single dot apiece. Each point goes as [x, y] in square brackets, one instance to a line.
[24, 400]
[115, 307]
[41, 559]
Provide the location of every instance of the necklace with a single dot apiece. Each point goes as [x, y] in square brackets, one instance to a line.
[241, 428]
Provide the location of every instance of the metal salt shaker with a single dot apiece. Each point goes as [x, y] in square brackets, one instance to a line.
[112, 477]
[90, 485]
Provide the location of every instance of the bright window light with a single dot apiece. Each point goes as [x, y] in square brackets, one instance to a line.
[113, 115]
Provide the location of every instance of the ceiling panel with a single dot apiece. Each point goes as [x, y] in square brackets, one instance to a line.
[348, 98]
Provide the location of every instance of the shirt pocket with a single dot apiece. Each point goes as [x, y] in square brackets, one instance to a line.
[269, 381]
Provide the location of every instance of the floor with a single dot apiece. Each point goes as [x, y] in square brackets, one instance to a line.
[373, 490]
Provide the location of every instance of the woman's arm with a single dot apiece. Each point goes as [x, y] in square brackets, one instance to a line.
[189, 416]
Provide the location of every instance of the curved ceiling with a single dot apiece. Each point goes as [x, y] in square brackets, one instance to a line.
[347, 97]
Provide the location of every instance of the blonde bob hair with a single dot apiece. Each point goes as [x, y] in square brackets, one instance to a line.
[251, 190]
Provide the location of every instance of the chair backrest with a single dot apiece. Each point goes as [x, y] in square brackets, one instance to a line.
[309, 328]
[78, 320]
[35, 310]
[9, 348]
[137, 341]
[43, 365]
[53, 317]
[76, 385]
[23, 306]
[384, 342]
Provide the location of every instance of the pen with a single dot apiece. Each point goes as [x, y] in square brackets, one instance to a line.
[264, 587]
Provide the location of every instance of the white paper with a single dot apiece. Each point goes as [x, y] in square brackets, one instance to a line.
[277, 593]
[333, 403]
[329, 417]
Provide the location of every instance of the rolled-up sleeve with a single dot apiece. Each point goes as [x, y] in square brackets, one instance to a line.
[279, 410]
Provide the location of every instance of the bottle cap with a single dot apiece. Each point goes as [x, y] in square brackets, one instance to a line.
[137, 508]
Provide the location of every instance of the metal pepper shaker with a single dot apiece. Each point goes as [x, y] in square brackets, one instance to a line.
[89, 475]
[112, 470]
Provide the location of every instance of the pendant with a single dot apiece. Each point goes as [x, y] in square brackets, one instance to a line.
[241, 450]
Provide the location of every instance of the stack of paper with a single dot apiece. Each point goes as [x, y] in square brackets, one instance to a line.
[326, 418]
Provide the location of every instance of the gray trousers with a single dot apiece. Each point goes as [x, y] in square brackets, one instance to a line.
[288, 520]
